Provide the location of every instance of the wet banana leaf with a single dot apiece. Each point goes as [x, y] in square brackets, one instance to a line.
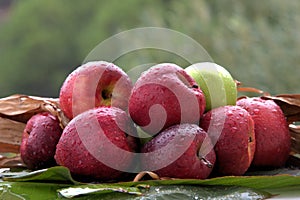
[252, 185]
[168, 192]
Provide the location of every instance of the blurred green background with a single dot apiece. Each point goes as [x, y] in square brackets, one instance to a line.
[41, 42]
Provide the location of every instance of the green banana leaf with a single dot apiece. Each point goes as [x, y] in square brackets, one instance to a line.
[57, 183]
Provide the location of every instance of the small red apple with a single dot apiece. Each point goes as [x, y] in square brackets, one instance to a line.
[273, 140]
[94, 84]
[231, 129]
[180, 151]
[39, 140]
[163, 96]
[98, 144]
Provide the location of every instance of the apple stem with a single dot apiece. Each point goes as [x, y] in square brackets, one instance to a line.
[207, 163]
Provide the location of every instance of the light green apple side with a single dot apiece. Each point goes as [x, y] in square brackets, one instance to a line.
[216, 83]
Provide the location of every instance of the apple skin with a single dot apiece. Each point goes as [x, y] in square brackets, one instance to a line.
[194, 162]
[94, 84]
[82, 144]
[273, 141]
[216, 83]
[163, 96]
[235, 143]
[39, 139]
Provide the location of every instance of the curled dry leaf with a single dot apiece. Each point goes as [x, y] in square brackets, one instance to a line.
[10, 135]
[16, 110]
[22, 107]
[140, 175]
[252, 90]
[290, 105]
[11, 161]
[295, 137]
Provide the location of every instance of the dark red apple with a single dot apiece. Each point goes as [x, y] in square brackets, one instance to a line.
[231, 129]
[39, 140]
[180, 151]
[273, 140]
[98, 144]
[163, 96]
[94, 84]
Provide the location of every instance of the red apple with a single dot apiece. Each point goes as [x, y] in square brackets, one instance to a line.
[180, 151]
[98, 144]
[39, 140]
[94, 84]
[273, 140]
[231, 129]
[163, 96]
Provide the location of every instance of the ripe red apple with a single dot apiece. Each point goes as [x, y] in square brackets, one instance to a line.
[180, 151]
[98, 144]
[94, 84]
[271, 132]
[163, 96]
[231, 129]
[39, 140]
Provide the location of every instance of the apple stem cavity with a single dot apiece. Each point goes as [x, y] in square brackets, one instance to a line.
[106, 94]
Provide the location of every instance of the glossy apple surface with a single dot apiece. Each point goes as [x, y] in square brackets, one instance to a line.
[232, 131]
[271, 131]
[163, 96]
[94, 84]
[97, 144]
[39, 140]
[180, 151]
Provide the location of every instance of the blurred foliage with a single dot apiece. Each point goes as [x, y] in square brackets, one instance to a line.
[257, 41]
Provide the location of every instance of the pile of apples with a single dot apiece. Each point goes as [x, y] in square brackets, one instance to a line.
[179, 123]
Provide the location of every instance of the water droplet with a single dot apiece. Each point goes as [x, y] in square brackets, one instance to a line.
[274, 111]
[234, 129]
[117, 138]
[256, 111]
[229, 113]
[241, 114]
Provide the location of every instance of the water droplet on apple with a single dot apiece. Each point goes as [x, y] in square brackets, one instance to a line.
[229, 113]
[241, 114]
[234, 129]
[274, 111]
[256, 111]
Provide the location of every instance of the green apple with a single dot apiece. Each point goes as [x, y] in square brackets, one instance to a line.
[216, 83]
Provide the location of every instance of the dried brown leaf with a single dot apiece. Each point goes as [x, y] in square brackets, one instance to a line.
[10, 135]
[16, 110]
[295, 137]
[22, 107]
[290, 105]
[252, 90]
[10, 162]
